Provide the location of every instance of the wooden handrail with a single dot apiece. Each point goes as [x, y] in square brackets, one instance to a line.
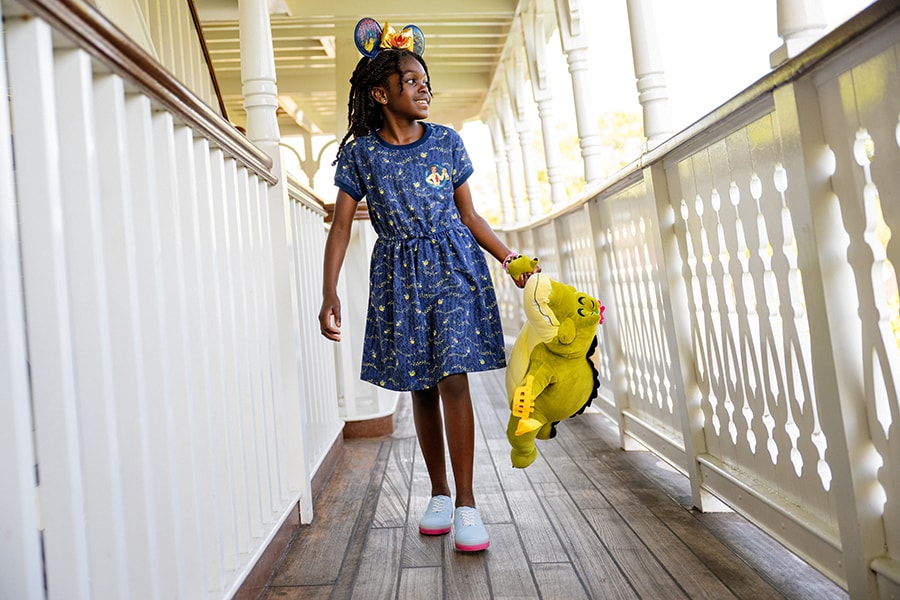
[195, 19]
[93, 32]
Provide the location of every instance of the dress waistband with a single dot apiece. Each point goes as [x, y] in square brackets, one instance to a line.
[424, 236]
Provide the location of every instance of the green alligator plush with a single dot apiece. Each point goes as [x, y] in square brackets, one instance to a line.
[549, 375]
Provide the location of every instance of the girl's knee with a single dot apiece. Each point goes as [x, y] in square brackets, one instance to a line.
[426, 395]
[454, 387]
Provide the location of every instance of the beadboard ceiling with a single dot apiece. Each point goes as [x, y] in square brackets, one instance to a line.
[315, 55]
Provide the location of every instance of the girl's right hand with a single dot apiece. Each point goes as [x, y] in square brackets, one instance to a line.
[330, 318]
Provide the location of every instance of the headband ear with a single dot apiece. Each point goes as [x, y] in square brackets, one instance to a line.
[418, 39]
[368, 37]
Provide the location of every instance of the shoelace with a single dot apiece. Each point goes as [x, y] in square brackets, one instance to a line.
[437, 504]
[467, 517]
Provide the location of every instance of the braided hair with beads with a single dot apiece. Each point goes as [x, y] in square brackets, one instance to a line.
[363, 113]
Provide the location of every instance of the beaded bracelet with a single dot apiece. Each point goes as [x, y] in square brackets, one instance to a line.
[511, 257]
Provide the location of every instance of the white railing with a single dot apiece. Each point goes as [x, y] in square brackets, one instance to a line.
[753, 335]
[161, 418]
[316, 354]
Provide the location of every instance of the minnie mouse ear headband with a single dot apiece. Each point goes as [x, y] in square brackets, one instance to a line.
[371, 38]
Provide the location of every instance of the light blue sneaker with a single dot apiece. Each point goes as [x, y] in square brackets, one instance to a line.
[468, 530]
[438, 516]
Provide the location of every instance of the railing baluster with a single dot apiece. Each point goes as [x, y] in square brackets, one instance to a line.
[21, 567]
[51, 360]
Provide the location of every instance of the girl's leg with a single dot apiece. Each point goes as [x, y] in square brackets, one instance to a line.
[430, 432]
[460, 424]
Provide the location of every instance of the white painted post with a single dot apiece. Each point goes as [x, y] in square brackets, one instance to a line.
[837, 350]
[89, 281]
[513, 156]
[537, 24]
[261, 103]
[515, 83]
[649, 71]
[53, 393]
[346, 57]
[573, 36]
[505, 199]
[21, 566]
[800, 23]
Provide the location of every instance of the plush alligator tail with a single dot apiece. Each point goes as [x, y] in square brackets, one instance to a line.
[594, 374]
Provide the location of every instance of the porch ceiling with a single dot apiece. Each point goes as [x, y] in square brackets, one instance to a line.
[464, 43]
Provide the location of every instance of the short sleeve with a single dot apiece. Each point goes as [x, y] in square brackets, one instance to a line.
[462, 165]
[347, 174]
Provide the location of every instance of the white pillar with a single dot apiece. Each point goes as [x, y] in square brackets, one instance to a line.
[258, 76]
[513, 156]
[532, 185]
[537, 26]
[800, 23]
[515, 82]
[574, 39]
[261, 104]
[649, 71]
[497, 140]
[346, 57]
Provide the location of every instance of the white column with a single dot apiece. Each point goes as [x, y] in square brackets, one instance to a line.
[537, 25]
[258, 76]
[515, 82]
[346, 57]
[497, 140]
[513, 156]
[649, 71]
[574, 39]
[800, 23]
[261, 104]
[532, 185]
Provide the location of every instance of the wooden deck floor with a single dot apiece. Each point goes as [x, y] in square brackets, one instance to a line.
[586, 520]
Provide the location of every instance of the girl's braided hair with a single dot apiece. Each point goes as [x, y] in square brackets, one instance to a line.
[363, 113]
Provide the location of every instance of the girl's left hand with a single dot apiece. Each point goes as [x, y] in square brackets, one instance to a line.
[522, 279]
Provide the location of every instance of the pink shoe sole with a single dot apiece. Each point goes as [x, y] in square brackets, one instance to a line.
[440, 531]
[475, 548]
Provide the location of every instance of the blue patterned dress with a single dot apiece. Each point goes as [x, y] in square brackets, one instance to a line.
[432, 308]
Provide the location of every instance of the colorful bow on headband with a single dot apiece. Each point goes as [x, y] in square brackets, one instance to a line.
[371, 38]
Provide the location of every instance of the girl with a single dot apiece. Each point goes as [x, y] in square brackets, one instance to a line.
[432, 314]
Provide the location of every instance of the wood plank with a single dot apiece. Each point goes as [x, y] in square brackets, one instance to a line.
[649, 578]
[511, 479]
[559, 580]
[352, 556]
[743, 581]
[393, 500]
[539, 539]
[627, 487]
[317, 552]
[489, 496]
[781, 568]
[465, 573]
[419, 550]
[298, 592]
[698, 582]
[592, 561]
[508, 569]
[572, 477]
[379, 565]
[421, 582]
